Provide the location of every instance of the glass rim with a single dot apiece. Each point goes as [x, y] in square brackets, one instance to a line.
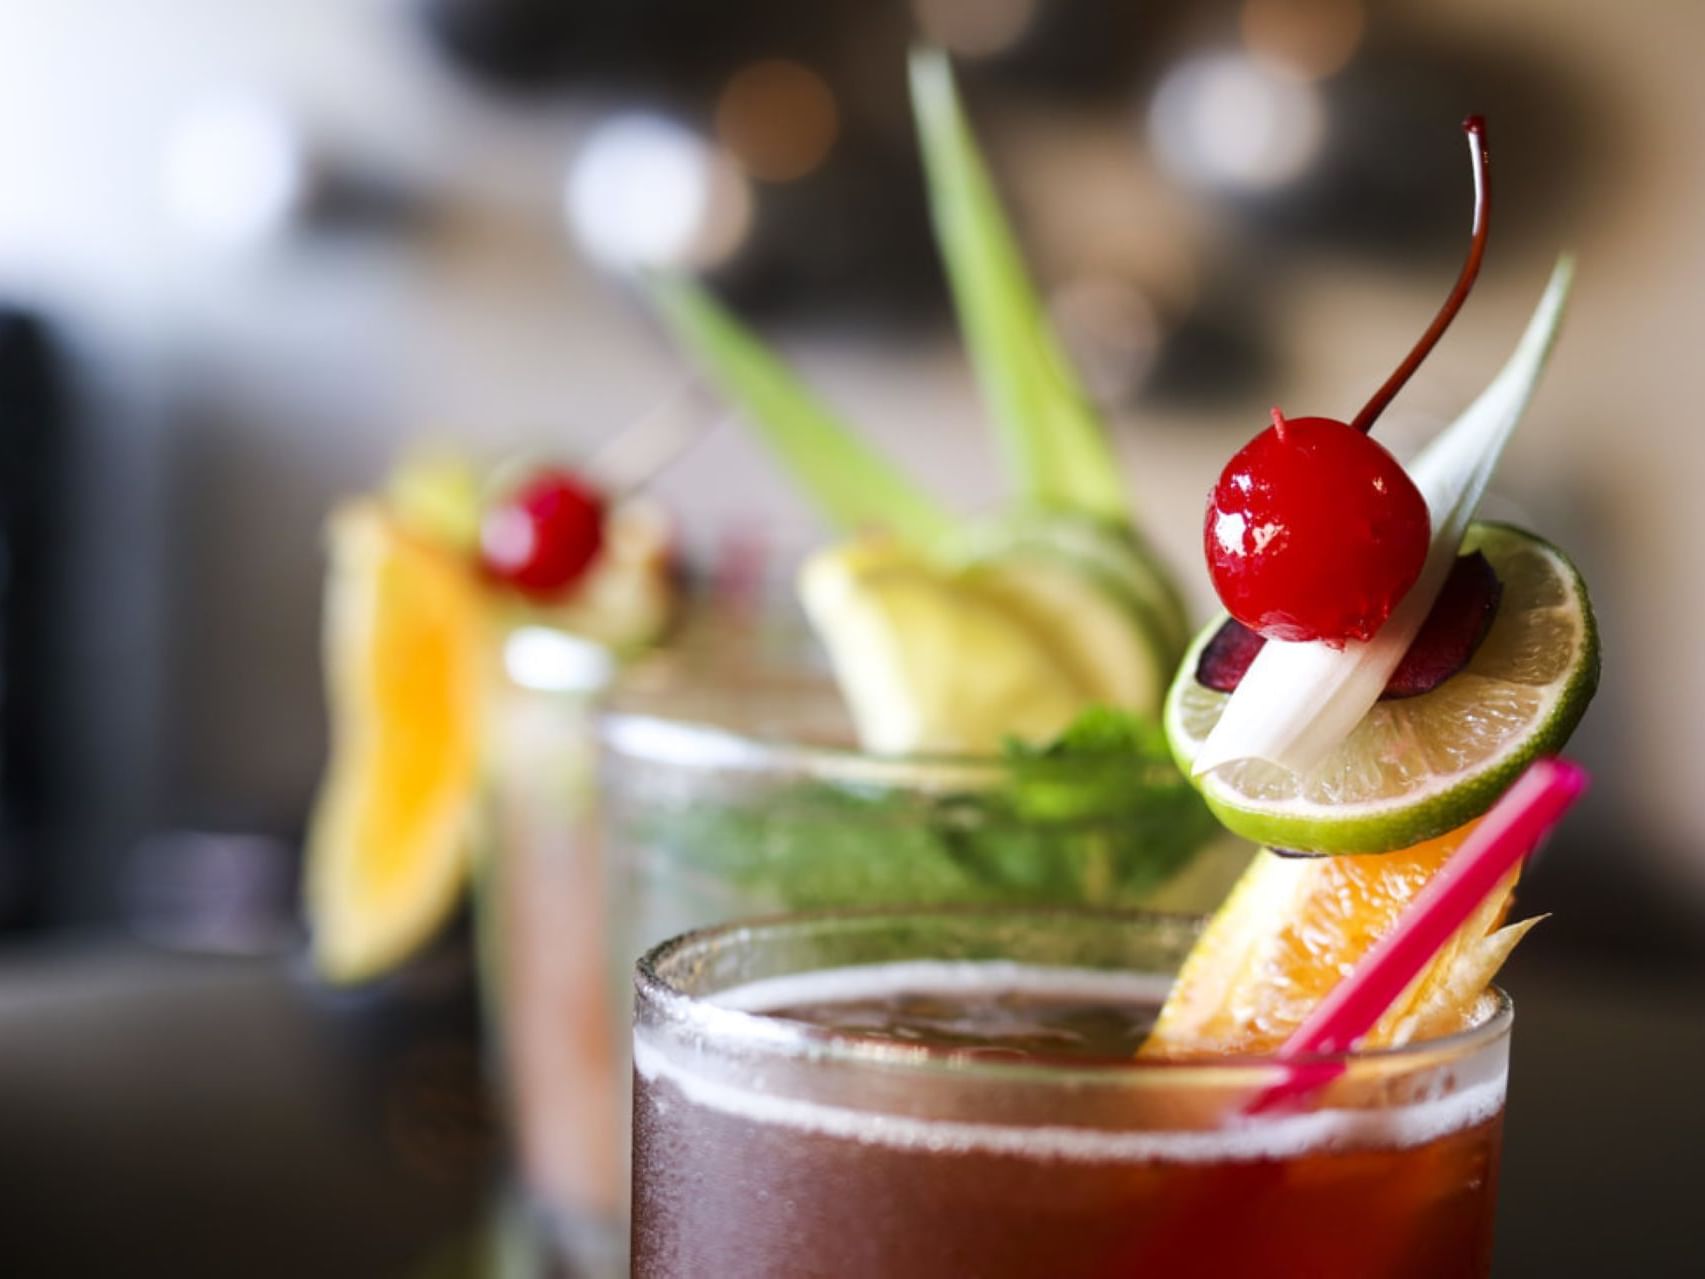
[687, 743]
[731, 1027]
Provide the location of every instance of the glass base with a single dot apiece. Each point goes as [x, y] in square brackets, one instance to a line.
[535, 1241]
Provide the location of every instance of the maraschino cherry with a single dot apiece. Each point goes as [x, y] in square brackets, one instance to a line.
[1314, 531]
[545, 535]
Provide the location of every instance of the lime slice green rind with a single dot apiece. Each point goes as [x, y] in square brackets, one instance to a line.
[853, 486]
[1419, 767]
[1054, 441]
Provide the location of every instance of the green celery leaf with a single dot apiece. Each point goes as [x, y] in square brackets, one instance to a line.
[853, 486]
[1055, 444]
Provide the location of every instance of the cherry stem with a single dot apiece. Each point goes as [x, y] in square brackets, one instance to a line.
[1475, 128]
[1280, 426]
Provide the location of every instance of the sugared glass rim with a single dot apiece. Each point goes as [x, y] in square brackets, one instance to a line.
[725, 1028]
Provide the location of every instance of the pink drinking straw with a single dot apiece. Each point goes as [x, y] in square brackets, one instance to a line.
[1506, 835]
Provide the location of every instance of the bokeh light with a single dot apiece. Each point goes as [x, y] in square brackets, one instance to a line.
[646, 190]
[777, 118]
[1311, 38]
[1232, 122]
[974, 28]
[234, 170]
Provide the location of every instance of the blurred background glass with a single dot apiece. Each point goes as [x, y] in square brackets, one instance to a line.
[249, 252]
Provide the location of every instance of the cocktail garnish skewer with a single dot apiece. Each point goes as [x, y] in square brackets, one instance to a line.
[1505, 836]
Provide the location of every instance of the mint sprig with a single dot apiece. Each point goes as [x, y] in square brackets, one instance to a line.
[1110, 766]
[1099, 817]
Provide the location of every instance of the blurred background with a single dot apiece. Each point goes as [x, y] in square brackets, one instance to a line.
[249, 253]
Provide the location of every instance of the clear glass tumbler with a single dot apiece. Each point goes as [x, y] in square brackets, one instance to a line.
[703, 822]
[542, 930]
[826, 1143]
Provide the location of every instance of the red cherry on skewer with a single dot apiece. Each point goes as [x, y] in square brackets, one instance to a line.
[545, 535]
[1314, 531]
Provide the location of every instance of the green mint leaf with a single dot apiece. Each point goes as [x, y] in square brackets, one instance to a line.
[1100, 734]
[1111, 771]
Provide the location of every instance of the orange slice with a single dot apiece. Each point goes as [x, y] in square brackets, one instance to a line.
[405, 647]
[1293, 927]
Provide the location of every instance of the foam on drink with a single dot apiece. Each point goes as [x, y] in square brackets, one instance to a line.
[1238, 1139]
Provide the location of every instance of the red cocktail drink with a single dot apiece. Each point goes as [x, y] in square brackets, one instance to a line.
[954, 1094]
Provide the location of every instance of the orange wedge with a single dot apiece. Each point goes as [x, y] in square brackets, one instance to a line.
[1293, 927]
[405, 649]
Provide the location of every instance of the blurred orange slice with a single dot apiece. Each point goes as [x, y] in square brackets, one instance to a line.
[1294, 927]
[405, 647]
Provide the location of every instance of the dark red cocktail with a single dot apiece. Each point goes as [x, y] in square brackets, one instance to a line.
[954, 1094]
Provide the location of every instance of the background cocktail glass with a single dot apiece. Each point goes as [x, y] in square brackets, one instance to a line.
[766, 1147]
[541, 920]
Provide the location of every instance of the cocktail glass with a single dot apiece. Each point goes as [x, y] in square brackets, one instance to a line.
[541, 912]
[766, 1146]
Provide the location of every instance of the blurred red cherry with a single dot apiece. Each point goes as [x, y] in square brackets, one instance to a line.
[545, 535]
